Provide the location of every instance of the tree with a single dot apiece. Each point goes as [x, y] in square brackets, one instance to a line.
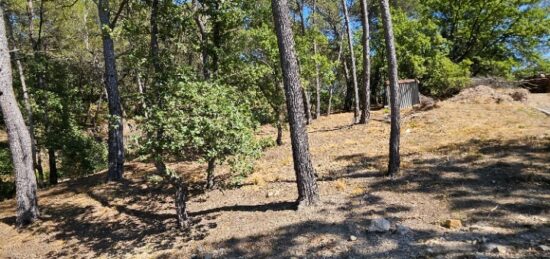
[317, 76]
[394, 162]
[19, 138]
[365, 115]
[305, 173]
[356, 110]
[116, 142]
[26, 100]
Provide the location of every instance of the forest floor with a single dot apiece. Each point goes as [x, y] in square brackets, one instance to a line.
[484, 164]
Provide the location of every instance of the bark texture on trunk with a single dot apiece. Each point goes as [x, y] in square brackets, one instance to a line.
[19, 139]
[181, 206]
[305, 173]
[356, 110]
[329, 108]
[280, 121]
[210, 173]
[365, 115]
[307, 102]
[53, 167]
[116, 141]
[26, 98]
[394, 163]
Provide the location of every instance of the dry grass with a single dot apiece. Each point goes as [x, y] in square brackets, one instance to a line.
[477, 162]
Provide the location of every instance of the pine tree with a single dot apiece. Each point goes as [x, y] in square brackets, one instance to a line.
[305, 173]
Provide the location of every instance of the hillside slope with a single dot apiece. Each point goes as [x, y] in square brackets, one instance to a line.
[487, 165]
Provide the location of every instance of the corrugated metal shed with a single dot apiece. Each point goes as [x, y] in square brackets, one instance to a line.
[408, 94]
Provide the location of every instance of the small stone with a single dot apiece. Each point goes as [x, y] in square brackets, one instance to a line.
[495, 248]
[402, 229]
[379, 225]
[429, 251]
[352, 238]
[480, 256]
[208, 256]
[453, 224]
[543, 248]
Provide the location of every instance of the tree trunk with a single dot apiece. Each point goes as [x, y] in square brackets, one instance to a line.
[19, 138]
[348, 100]
[204, 42]
[394, 163]
[210, 173]
[30, 121]
[180, 202]
[26, 101]
[280, 121]
[53, 166]
[116, 141]
[156, 85]
[177, 181]
[356, 111]
[307, 102]
[305, 92]
[365, 115]
[317, 76]
[305, 173]
[329, 108]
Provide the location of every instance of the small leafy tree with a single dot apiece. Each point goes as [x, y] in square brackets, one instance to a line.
[208, 121]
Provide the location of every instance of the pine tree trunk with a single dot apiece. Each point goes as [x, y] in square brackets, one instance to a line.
[280, 121]
[116, 141]
[53, 166]
[307, 102]
[348, 99]
[210, 173]
[305, 173]
[365, 115]
[394, 163]
[26, 102]
[329, 108]
[30, 121]
[317, 73]
[19, 138]
[356, 111]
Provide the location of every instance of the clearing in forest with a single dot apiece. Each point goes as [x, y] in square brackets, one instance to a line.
[485, 164]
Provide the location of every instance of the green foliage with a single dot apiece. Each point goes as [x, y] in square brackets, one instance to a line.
[446, 77]
[6, 167]
[81, 154]
[203, 120]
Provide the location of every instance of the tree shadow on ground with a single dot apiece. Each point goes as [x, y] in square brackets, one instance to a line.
[492, 184]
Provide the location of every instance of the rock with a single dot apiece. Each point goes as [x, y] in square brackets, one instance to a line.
[519, 94]
[426, 103]
[352, 238]
[272, 194]
[494, 248]
[480, 256]
[208, 256]
[379, 225]
[402, 229]
[453, 223]
[543, 248]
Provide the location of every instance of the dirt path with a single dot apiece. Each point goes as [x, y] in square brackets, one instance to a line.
[485, 165]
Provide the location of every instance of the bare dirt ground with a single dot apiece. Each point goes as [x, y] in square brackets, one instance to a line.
[485, 164]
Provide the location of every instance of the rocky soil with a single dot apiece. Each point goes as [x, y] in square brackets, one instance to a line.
[475, 183]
